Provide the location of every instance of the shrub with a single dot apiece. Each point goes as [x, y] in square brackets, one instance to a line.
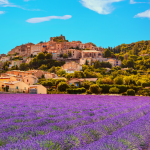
[106, 87]
[131, 92]
[118, 80]
[62, 86]
[113, 90]
[145, 84]
[76, 90]
[124, 93]
[86, 85]
[95, 89]
[88, 92]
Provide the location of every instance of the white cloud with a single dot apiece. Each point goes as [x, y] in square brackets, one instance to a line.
[100, 6]
[5, 3]
[133, 2]
[145, 14]
[2, 12]
[26, 0]
[42, 19]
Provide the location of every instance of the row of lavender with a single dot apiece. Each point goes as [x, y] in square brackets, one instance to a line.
[73, 122]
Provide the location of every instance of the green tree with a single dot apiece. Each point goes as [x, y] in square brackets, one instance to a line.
[135, 50]
[62, 86]
[130, 63]
[17, 67]
[86, 84]
[95, 89]
[41, 56]
[121, 58]
[78, 74]
[114, 90]
[65, 55]
[61, 72]
[118, 80]
[68, 76]
[70, 54]
[131, 92]
[107, 53]
[49, 83]
[97, 64]
[48, 56]
[6, 68]
[43, 67]
[52, 70]
[86, 62]
[24, 66]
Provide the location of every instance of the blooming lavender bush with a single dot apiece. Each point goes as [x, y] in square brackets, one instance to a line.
[63, 122]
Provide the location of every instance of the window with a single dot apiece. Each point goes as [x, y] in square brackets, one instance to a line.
[24, 88]
[27, 80]
[16, 87]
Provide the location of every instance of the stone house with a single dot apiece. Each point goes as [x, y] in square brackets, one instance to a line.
[15, 63]
[114, 62]
[4, 59]
[15, 86]
[7, 79]
[39, 88]
[71, 66]
[30, 80]
[48, 75]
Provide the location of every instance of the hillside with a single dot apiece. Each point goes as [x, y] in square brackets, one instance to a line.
[138, 48]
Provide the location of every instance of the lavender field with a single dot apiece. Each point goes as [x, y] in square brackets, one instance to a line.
[74, 122]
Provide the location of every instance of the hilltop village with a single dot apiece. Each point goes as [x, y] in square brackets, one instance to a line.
[38, 68]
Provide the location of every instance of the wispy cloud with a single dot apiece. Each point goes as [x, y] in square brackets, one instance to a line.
[26, 0]
[145, 14]
[42, 19]
[134, 2]
[3, 2]
[2, 12]
[100, 6]
[6, 3]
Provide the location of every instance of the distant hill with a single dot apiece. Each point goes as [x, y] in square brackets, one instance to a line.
[138, 48]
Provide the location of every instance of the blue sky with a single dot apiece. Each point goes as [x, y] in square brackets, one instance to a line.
[103, 22]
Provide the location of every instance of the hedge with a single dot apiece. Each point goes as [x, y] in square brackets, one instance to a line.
[122, 88]
[131, 92]
[76, 90]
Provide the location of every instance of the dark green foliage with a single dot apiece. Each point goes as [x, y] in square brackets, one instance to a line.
[118, 80]
[36, 63]
[106, 87]
[131, 92]
[65, 56]
[95, 89]
[114, 90]
[48, 56]
[76, 90]
[107, 53]
[24, 66]
[86, 85]
[62, 86]
[41, 56]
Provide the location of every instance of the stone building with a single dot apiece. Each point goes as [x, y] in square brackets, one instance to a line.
[63, 38]
[91, 53]
[30, 79]
[22, 50]
[70, 67]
